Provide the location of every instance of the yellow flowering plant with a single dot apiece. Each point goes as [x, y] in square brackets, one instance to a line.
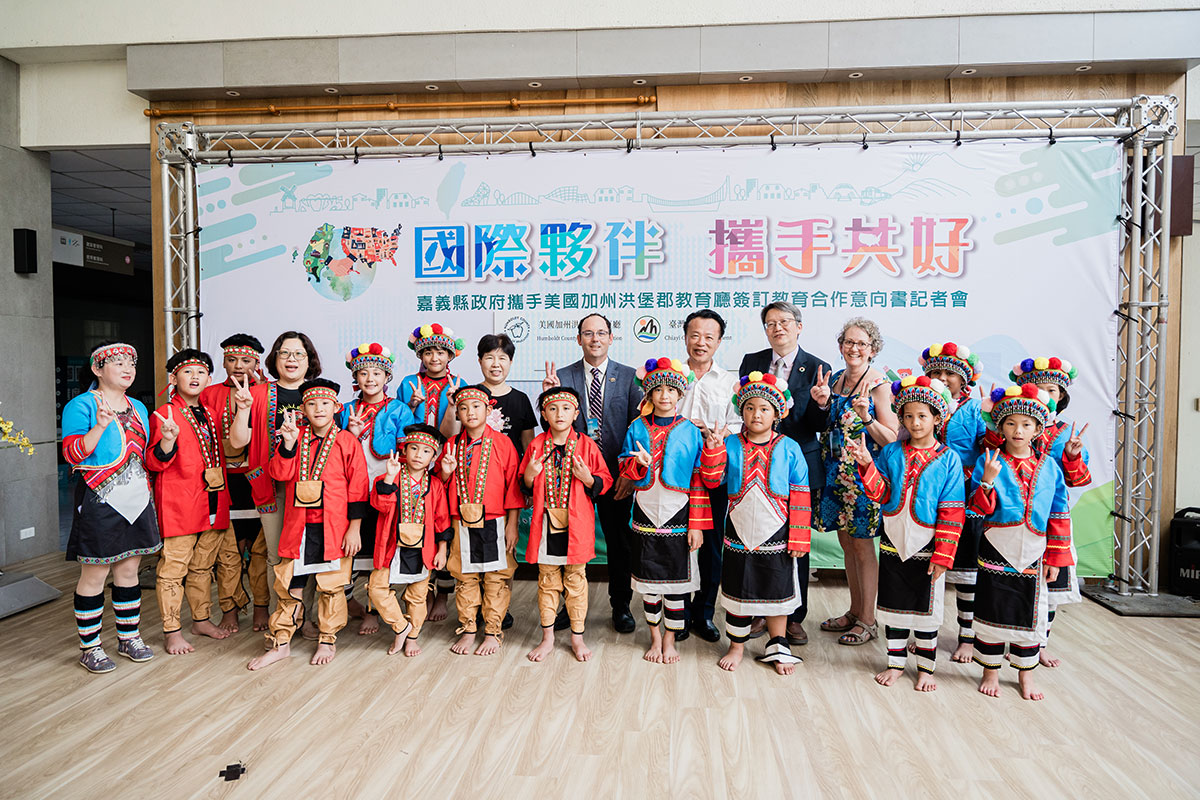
[19, 438]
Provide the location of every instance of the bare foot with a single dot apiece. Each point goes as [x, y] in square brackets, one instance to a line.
[324, 654]
[310, 631]
[581, 651]
[176, 645]
[655, 654]
[784, 669]
[464, 644]
[990, 685]
[1047, 661]
[489, 645]
[401, 637]
[962, 654]
[545, 647]
[1027, 689]
[229, 621]
[888, 676]
[355, 609]
[369, 625]
[925, 683]
[262, 616]
[669, 654]
[270, 657]
[206, 628]
[437, 610]
[733, 657]
[411, 648]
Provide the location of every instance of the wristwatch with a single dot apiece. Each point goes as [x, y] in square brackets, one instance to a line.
[986, 486]
[868, 421]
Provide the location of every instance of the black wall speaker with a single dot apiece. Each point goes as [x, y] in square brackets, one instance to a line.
[24, 251]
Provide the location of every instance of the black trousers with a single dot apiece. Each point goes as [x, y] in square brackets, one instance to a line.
[702, 604]
[614, 522]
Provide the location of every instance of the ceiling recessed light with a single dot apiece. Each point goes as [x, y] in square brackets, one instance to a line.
[639, 81]
[331, 90]
[969, 71]
[855, 75]
[1084, 68]
[746, 78]
[232, 93]
[431, 88]
[535, 84]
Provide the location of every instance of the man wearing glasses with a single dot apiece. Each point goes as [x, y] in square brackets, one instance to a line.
[610, 397]
[787, 361]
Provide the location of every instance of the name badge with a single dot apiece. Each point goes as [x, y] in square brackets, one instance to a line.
[593, 428]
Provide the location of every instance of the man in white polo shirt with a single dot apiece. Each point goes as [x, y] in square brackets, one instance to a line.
[707, 403]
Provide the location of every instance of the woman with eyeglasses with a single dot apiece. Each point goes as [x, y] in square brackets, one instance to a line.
[291, 361]
[859, 402]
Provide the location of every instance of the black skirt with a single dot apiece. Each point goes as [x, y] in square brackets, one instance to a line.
[660, 556]
[905, 587]
[1010, 606]
[100, 535]
[760, 582]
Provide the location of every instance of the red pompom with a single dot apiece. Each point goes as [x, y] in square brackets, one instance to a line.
[769, 378]
[664, 363]
[923, 380]
[1055, 363]
[949, 349]
[376, 349]
[437, 327]
[1030, 391]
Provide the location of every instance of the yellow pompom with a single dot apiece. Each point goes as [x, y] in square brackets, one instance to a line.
[364, 348]
[755, 376]
[426, 331]
[935, 349]
[1012, 391]
[1041, 363]
[676, 365]
[908, 380]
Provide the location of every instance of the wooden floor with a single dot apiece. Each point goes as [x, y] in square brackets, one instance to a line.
[1121, 717]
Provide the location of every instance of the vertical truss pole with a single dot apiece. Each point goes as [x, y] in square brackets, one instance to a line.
[1160, 366]
[168, 260]
[1127, 425]
[191, 305]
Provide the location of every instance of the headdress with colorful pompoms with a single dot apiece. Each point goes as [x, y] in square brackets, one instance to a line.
[1044, 370]
[662, 372]
[1026, 399]
[922, 389]
[955, 357]
[766, 387]
[370, 355]
[435, 335]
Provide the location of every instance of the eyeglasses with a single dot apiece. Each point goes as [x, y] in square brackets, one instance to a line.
[849, 345]
[293, 355]
[593, 334]
[778, 324]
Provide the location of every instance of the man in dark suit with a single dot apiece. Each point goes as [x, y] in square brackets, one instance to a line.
[610, 398]
[785, 359]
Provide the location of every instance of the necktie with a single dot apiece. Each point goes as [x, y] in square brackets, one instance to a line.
[779, 368]
[595, 398]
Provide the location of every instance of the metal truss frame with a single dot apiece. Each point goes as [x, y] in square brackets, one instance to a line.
[1145, 124]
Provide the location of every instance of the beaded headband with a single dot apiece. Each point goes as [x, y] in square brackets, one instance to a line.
[118, 350]
[472, 393]
[765, 387]
[420, 437]
[319, 393]
[553, 398]
[239, 350]
[922, 389]
[189, 362]
[1026, 399]
[1044, 370]
[954, 357]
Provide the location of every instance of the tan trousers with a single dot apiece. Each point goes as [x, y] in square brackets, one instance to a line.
[490, 590]
[289, 611]
[190, 557]
[265, 550]
[230, 593]
[568, 581]
[383, 599]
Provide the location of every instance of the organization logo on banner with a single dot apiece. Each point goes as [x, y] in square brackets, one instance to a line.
[517, 329]
[646, 329]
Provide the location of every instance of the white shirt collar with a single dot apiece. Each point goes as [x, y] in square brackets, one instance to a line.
[786, 358]
[587, 369]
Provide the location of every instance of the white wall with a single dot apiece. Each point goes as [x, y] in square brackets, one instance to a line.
[80, 104]
[91, 23]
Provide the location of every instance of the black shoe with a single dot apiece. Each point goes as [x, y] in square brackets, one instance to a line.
[706, 630]
[623, 620]
[508, 622]
[682, 636]
[562, 621]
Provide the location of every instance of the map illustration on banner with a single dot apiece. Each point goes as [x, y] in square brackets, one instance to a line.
[1007, 247]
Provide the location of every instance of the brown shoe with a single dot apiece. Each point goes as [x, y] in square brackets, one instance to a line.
[758, 627]
[796, 634]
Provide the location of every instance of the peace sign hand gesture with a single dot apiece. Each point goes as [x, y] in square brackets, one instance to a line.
[985, 398]
[168, 427]
[642, 456]
[580, 470]
[354, 422]
[858, 450]
[104, 412]
[551, 380]
[533, 468]
[289, 431]
[393, 466]
[862, 406]
[449, 464]
[820, 391]
[1074, 446]
[418, 394]
[991, 465]
[242, 399]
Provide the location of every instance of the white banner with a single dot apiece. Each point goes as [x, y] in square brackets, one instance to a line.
[1009, 248]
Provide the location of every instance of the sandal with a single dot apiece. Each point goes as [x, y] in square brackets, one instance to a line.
[832, 626]
[852, 639]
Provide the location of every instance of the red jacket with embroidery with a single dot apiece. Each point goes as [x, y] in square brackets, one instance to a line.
[581, 501]
[437, 519]
[502, 488]
[180, 496]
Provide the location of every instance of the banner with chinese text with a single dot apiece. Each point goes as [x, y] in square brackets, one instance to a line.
[1009, 248]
